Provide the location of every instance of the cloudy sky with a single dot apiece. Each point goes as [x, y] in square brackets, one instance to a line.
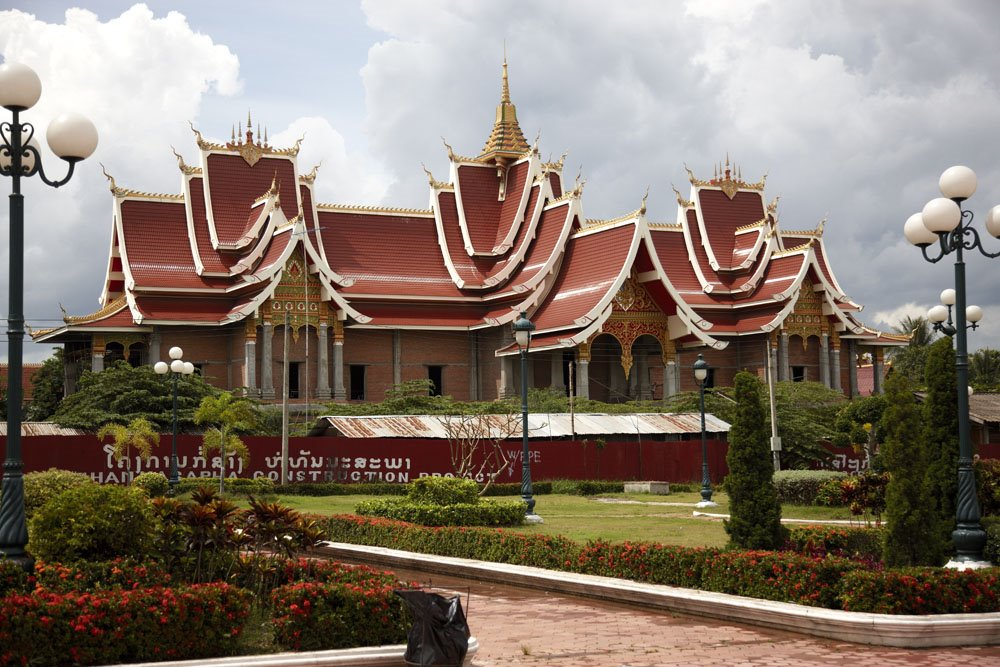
[852, 108]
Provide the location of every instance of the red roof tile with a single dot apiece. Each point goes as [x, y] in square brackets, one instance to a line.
[234, 185]
[479, 189]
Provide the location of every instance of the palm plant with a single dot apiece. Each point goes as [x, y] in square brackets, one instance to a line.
[139, 433]
[229, 415]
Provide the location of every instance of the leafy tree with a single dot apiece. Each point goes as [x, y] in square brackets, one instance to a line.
[912, 535]
[984, 370]
[909, 360]
[940, 411]
[121, 393]
[806, 413]
[859, 425]
[139, 433]
[755, 513]
[228, 415]
[47, 388]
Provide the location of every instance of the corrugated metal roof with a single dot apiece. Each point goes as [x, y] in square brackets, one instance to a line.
[41, 428]
[547, 425]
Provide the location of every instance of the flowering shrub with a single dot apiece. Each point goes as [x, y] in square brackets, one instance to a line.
[48, 628]
[119, 574]
[856, 543]
[921, 591]
[13, 578]
[816, 580]
[317, 616]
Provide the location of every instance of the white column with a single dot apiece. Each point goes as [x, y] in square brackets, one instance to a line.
[266, 363]
[557, 371]
[506, 376]
[323, 362]
[670, 378]
[852, 367]
[824, 359]
[250, 366]
[397, 357]
[877, 370]
[784, 370]
[835, 367]
[582, 378]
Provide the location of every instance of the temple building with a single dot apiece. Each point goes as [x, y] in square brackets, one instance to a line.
[245, 258]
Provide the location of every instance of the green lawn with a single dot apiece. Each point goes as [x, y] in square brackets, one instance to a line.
[667, 519]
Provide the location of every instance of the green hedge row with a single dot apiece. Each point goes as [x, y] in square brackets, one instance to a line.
[827, 581]
[482, 513]
[800, 487]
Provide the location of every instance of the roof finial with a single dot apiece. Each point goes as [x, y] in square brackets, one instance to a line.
[249, 128]
[451, 153]
[265, 135]
[232, 134]
[642, 209]
[505, 89]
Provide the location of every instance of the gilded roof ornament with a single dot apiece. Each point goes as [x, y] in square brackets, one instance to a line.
[354, 208]
[642, 208]
[506, 138]
[724, 179]
[111, 308]
[311, 176]
[115, 190]
[433, 182]
[182, 166]
[451, 153]
[555, 166]
[773, 206]
[683, 203]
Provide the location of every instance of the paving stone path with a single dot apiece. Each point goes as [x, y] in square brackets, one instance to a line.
[531, 627]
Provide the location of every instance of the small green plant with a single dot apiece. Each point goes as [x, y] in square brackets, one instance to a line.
[92, 522]
[801, 487]
[443, 491]
[41, 487]
[155, 484]
[139, 434]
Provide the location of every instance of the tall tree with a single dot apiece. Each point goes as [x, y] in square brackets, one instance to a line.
[806, 413]
[859, 425]
[228, 416]
[912, 535]
[139, 434]
[121, 393]
[984, 370]
[940, 411]
[46, 388]
[909, 360]
[755, 513]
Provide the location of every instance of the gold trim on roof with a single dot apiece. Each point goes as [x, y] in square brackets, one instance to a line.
[311, 176]
[182, 166]
[243, 143]
[666, 225]
[592, 222]
[723, 178]
[555, 166]
[683, 203]
[355, 208]
[506, 138]
[109, 309]
[752, 225]
[433, 182]
[792, 251]
[122, 193]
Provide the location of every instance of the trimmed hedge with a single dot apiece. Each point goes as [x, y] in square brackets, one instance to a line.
[443, 491]
[799, 487]
[856, 543]
[991, 551]
[41, 487]
[259, 486]
[312, 616]
[109, 627]
[482, 513]
[827, 581]
[922, 590]
[586, 487]
[337, 489]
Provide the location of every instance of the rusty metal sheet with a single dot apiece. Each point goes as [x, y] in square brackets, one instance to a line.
[540, 425]
[29, 429]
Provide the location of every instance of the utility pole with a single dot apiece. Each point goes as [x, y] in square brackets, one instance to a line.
[284, 408]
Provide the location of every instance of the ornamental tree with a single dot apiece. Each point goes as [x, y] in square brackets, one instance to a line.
[755, 513]
[227, 415]
[940, 412]
[139, 434]
[913, 536]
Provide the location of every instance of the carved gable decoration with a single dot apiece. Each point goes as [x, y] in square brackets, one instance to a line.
[806, 319]
[298, 294]
[635, 314]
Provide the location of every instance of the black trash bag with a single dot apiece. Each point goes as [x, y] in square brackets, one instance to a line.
[440, 633]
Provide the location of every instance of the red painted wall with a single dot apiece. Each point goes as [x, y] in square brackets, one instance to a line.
[392, 460]
[403, 460]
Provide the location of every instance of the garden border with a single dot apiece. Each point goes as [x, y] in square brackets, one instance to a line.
[930, 631]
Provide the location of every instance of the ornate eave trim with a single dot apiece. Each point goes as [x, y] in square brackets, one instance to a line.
[753, 226]
[378, 210]
[107, 310]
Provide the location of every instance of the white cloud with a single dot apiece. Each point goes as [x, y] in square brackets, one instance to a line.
[139, 79]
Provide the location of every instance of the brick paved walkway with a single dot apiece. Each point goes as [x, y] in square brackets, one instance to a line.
[530, 627]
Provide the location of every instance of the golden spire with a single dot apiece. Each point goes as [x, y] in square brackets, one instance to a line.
[506, 140]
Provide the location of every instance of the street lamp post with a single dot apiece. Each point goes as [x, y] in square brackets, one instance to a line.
[522, 336]
[701, 369]
[943, 222]
[72, 138]
[178, 367]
